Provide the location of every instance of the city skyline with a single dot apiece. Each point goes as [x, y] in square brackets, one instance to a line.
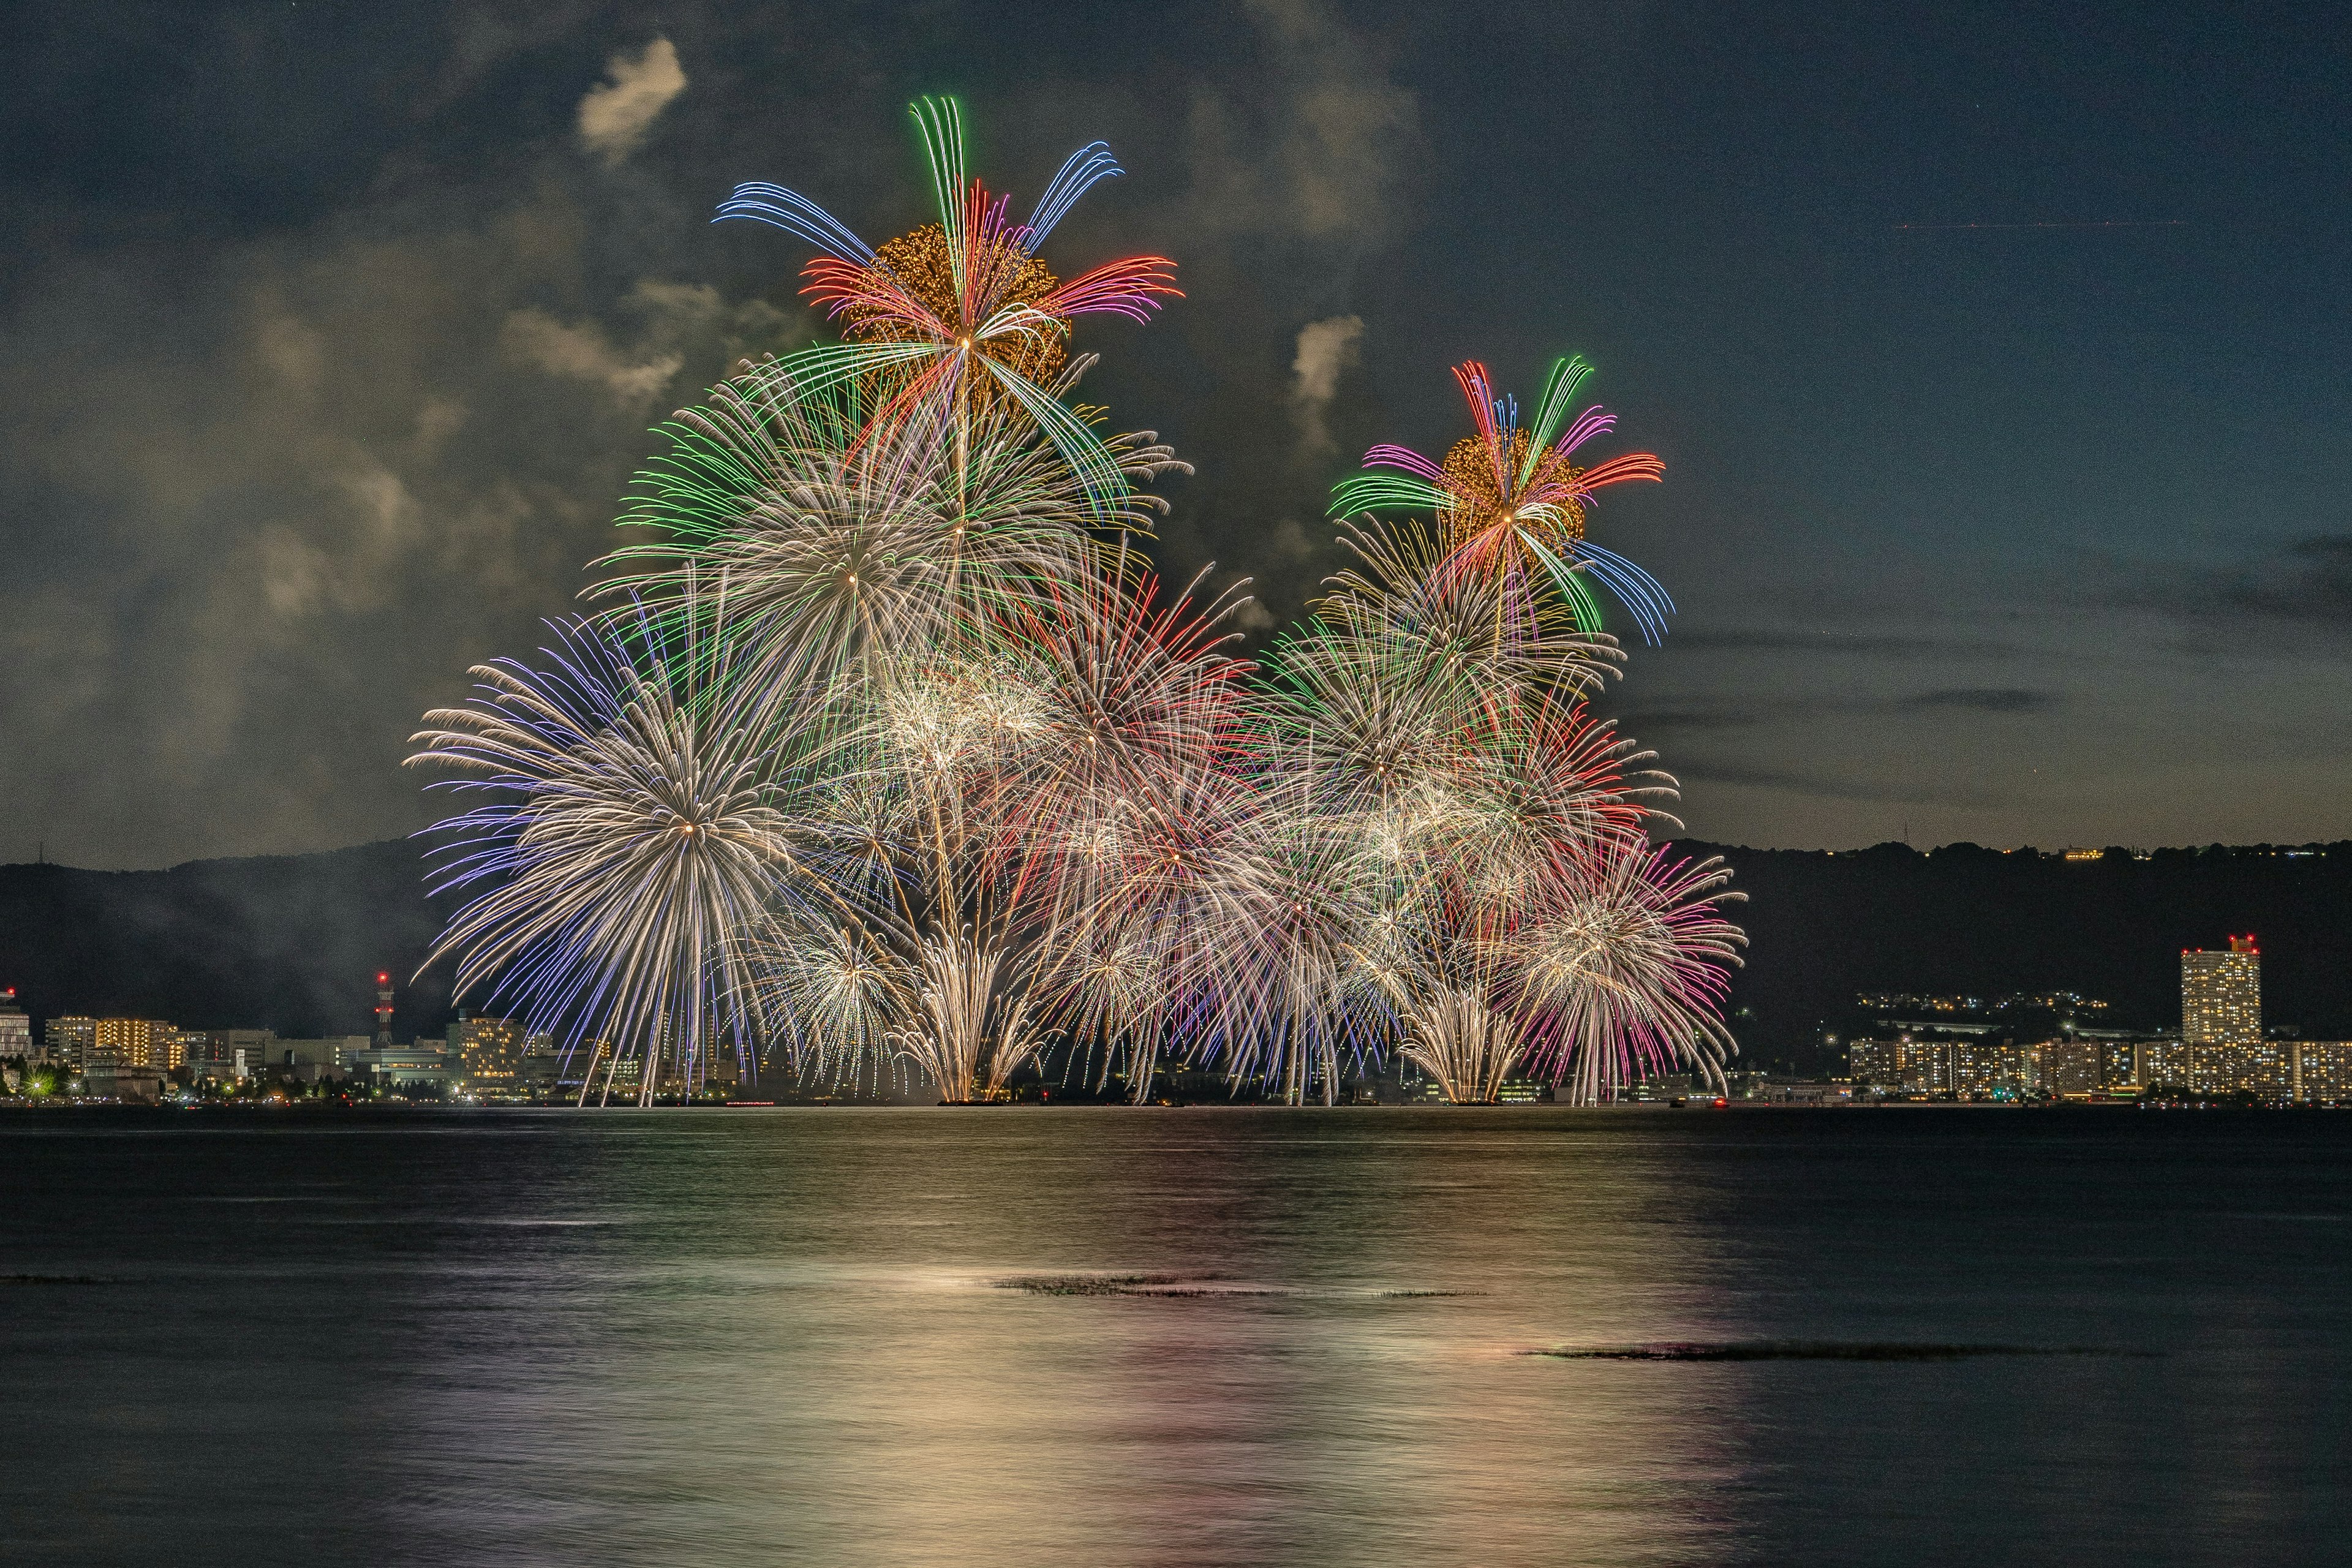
[2220, 1045]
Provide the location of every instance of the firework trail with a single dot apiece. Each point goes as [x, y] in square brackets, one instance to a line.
[1434, 717]
[1512, 502]
[962, 313]
[630, 832]
[1009, 845]
[940, 775]
[1629, 978]
[846, 557]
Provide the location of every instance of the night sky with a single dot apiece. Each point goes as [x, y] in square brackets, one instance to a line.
[1998, 356]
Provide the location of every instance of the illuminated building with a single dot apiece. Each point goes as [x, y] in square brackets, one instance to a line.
[2073, 1066]
[383, 1011]
[69, 1039]
[604, 1075]
[229, 1055]
[1906, 1066]
[1872, 1061]
[136, 1043]
[330, 1056]
[115, 1080]
[2164, 1062]
[2119, 1065]
[16, 1032]
[2222, 996]
[404, 1067]
[1986, 1069]
[489, 1052]
[2322, 1070]
[2221, 1023]
[1816, 1094]
[2261, 1069]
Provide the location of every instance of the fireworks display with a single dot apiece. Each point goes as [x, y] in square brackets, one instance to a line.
[1513, 503]
[887, 749]
[961, 314]
[632, 832]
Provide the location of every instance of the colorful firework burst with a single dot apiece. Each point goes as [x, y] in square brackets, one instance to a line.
[962, 312]
[631, 834]
[1511, 501]
[937, 772]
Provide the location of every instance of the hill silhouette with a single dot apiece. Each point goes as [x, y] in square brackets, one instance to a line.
[294, 942]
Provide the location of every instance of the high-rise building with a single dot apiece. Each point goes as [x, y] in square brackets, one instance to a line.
[1985, 1068]
[229, 1055]
[1872, 1061]
[2221, 1023]
[2221, 994]
[1903, 1066]
[488, 1051]
[2323, 1070]
[16, 1028]
[383, 1011]
[2071, 1067]
[135, 1043]
[69, 1040]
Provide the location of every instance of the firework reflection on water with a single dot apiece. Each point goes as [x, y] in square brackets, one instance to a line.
[1174, 1337]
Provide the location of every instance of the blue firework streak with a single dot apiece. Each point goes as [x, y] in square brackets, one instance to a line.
[626, 829]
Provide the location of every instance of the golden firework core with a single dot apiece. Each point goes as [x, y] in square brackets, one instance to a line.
[1004, 276]
[1469, 470]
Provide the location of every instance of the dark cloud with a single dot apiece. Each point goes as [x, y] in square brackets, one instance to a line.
[325, 353]
[2302, 585]
[1862, 645]
[1692, 716]
[1820, 786]
[1981, 700]
[271, 485]
[2310, 579]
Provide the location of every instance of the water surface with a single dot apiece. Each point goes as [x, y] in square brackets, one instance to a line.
[1099, 1336]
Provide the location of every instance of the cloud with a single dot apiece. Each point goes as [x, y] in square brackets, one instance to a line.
[1252, 618]
[1982, 700]
[1326, 349]
[1289, 543]
[1869, 645]
[1322, 153]
[616, 114]
[2310, 580]
[1801, 783]
[2273, 602]
[357, 455]
[583, 352]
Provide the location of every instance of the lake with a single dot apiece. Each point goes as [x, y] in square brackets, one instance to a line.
[1110, 1336]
